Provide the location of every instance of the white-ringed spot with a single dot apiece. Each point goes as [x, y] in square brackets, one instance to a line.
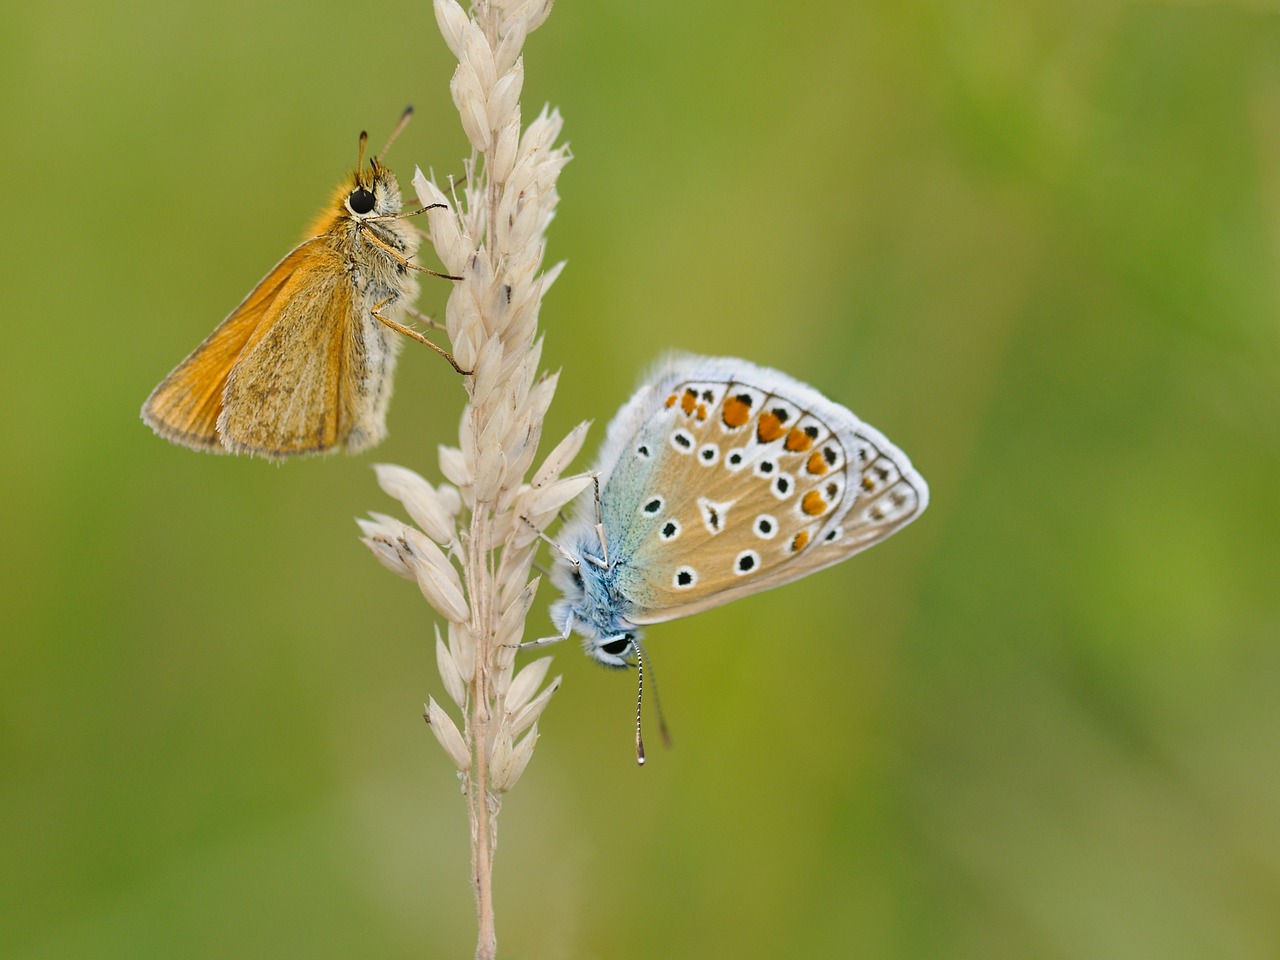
[746, 562]
[686, 578]
[735, 460]
[670, 530]
[765, 527]
[682, 441]
[709, 455]
[651, 507]
[783, 486]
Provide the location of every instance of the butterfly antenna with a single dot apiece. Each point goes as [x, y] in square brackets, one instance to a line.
[364, 143]
[639, 705]
[657, 703]
[662, 720]
[404, 122]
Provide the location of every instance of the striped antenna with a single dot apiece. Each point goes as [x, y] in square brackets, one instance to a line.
[657, 700]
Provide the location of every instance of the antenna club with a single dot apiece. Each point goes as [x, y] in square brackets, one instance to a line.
[400, 125]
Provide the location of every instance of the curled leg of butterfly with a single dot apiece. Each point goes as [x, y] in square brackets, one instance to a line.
[415, 335]
[423, 319]
[396, 254]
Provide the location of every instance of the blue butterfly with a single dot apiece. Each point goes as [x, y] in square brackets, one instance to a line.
[718, 479]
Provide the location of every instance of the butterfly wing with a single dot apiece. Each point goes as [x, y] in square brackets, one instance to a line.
[281, 398]
[726, 479]
[186, 405]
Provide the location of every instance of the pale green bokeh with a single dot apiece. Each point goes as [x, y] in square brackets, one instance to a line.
[1036, 244]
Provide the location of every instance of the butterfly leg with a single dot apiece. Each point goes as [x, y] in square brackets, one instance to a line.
[415, 335]
[565, 554]
[561, 552]
[397, 255]
[604, 544]
[557, 638]
[423, 319]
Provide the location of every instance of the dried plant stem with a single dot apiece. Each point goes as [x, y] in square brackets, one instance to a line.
[484, 827]
[493, 237]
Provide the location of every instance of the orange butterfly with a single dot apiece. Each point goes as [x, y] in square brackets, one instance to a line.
[304, 364]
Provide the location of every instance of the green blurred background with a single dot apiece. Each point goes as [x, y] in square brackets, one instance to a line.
[1036, 244]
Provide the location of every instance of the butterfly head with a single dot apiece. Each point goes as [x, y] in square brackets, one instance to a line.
[590, 606]
[371, 190]
[616, 652]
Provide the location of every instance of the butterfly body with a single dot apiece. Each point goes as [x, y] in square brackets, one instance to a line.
[305, 363]
[719, 479]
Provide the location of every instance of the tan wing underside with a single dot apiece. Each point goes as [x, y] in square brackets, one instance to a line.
[185, 407]
[285, 395]
[670, 605]
[740, 500]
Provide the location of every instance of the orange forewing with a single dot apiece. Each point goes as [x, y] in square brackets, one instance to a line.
[186, 405]
[284, 396]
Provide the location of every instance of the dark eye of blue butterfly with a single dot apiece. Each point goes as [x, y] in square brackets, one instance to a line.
[360, 200]
[577, 577]
[616, 648]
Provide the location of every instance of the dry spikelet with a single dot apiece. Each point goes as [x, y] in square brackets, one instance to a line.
[490, 232]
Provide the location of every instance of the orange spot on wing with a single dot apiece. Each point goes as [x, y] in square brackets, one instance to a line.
[868, 484]
[737, 411]
[800, 541]
[813, 504]
[702, 411]
[798, 441]
[671, 401]
[817, 465]
[770, 427]
[689, 401]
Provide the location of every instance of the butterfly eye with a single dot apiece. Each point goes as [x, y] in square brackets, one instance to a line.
[616, 648]
[360, 200]
[577, 577]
